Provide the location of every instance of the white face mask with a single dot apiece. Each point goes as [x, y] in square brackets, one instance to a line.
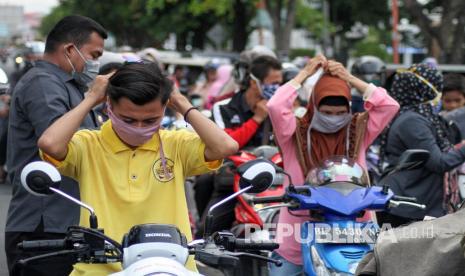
[329, 123]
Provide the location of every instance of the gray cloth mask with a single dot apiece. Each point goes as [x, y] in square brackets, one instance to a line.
[329, 123]
[88, 74]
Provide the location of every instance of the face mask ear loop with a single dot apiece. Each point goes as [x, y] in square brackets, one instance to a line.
[257, 81]
[309, 131]
[69, 60]
[80, 54]
[348, 140]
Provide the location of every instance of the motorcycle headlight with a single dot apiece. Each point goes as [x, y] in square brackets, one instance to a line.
[321, 270]
[353, 267]
[318, 264]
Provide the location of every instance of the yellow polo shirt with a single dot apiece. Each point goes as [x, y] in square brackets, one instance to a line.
[127, 187]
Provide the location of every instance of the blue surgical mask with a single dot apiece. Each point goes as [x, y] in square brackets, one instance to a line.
[267, 90]
[88, 74]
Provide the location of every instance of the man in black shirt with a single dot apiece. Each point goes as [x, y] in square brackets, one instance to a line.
[54, 86]
[244, 116]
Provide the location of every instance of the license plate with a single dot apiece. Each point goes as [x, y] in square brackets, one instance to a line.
[350, 233]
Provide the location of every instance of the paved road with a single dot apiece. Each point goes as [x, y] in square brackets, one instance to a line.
[5, 194]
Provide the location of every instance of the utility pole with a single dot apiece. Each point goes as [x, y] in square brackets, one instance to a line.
[326, 38]
[395, 32]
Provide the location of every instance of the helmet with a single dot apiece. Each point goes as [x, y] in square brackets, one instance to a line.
[241, 67]
[338, 169]
[289, 71]
[212, 65]
[370, 69]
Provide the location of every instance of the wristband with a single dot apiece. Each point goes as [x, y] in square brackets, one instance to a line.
[187, 113]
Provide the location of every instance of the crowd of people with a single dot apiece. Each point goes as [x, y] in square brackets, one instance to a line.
[101, 127]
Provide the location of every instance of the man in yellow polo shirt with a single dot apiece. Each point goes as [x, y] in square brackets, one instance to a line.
[130, 171]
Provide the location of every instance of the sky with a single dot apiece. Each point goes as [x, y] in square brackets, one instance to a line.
[42, 6]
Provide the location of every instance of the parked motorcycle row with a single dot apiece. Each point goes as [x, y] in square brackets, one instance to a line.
[334, 244]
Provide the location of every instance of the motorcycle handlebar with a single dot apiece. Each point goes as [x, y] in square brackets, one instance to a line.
[268, 199]
[405, 198]
[243, 244]
[395, 203]
[42, 245]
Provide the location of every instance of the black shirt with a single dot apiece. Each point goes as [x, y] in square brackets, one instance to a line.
[41, 96]
[235, 113]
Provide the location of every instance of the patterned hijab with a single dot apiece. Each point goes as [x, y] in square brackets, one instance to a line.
[413, 89]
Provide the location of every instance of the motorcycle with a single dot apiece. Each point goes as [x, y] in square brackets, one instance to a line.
[336, 243]
[147, 249]
[245, 212]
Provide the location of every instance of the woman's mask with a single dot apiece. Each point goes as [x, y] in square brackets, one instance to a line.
[329, 123]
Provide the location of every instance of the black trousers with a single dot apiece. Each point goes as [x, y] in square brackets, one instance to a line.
[209, 190]
[56, 266]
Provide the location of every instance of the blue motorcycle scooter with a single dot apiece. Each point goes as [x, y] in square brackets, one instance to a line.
[336, 196]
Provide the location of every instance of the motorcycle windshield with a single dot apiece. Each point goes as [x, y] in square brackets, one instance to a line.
[337, 169]
[345, 188]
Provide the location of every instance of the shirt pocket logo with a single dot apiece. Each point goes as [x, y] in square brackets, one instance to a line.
[159, 172]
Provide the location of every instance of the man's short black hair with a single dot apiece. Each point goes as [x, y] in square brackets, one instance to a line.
[453, 82]
[141, 83]
[74, 28]
[262, 65]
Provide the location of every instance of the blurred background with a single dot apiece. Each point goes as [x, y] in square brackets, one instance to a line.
[397, 31]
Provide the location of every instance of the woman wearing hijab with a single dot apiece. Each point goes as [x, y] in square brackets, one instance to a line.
[327, 129]
[223, 75]
[418, 127]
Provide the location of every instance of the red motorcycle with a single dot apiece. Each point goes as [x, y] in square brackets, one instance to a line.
[246, 213]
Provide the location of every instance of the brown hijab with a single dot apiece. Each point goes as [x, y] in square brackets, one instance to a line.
[324, 145]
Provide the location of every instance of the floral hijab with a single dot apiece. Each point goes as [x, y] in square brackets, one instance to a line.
[413, 89]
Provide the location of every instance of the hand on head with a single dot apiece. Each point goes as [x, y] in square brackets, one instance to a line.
[332, 67]
[338, 70]
[315, 63]
[98, 90]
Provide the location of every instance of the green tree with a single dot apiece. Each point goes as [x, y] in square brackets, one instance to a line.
[446, 36]
[282, 13]
[311, 19]
[53, 17]
[371, 45]
[141, 23]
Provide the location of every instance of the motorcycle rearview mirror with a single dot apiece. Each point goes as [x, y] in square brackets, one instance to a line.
[258, 174]
[40, 178]
[255, 177]
[43, 179]
[409, 160]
